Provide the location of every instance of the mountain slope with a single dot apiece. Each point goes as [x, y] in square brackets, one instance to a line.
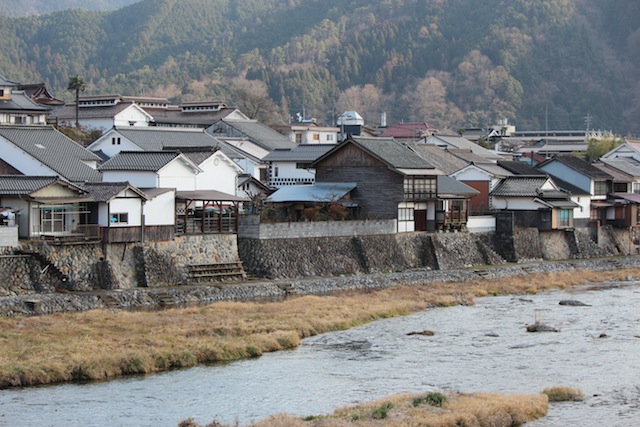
[453, 63]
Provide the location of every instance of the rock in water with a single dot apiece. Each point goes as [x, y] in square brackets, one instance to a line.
[573, 303]
[541, 327]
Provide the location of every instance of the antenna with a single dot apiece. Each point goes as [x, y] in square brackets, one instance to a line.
[587, 121]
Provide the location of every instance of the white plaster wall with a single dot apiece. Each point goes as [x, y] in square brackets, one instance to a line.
[515, 203]
[105, 144]
[23, 161]
[176, 175]
[584, 211]
[131, 114]
[161, 210]
[131, 206]
[481, 224]
[221, 176]
[471, 174]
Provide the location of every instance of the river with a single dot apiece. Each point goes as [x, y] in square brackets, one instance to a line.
[478, 348]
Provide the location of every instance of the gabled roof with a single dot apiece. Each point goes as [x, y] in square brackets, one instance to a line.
[579, 165]
[520, 186]
[520, 168]
[441, 158]
[6, 82]
[20, 101]
[53, 149]
[148, 161]
[68, 111]
[234, 147]
[260, 133]
[106, 191]
[454, 141]
[38, 93]
[408, 130]
[627, 165]
[616, 174]
[300, 153]
[395, 155]
[570, 188]
[318, 192]
[17, 185]
[173, 115]
[468, 155]
[157, 139]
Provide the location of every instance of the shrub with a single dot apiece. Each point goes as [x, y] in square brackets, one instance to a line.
[433, 399]
[563, 394]
[381, 412]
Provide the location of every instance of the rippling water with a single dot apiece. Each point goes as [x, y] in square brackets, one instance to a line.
[480, 348]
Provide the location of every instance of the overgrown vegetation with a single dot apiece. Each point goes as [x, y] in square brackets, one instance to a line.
[458, 409]
[99, 345]
[563, 394]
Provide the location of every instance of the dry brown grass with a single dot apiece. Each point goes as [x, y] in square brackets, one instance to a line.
[471, 410]
[99, 345]
[564, 394]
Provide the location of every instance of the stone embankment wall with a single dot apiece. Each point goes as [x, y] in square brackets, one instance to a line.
[94, 266]
[142, 298]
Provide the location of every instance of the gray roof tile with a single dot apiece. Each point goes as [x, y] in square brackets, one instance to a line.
[260, 134]
[520, 186]
[105, 191]
[23, 185]
[299, 153]
[54, 150]
[156, 139]
[139, 161]
[393, 153]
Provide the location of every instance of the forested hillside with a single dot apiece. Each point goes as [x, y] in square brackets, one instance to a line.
[42, 7]
[453, 63]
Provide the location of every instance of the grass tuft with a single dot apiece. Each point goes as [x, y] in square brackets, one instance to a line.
[563, 394]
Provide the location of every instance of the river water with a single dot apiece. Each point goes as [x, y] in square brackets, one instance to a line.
[479, 348]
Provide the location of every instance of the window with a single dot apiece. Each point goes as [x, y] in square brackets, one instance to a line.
[330, 137]
[298, 138]
[115, 141]
[405, 214]
[600, 188]
[1, 92]
[119, 218]
[636, 187]
[419, 187]
[565, 218]
[316, 137]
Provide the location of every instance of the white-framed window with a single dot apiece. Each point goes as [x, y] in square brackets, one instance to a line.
[330, 137]
[405, 214]
[119, 218]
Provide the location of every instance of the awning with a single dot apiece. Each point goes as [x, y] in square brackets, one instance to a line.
[318, 192]
[601, 204]
[209, 195]
[632, 197]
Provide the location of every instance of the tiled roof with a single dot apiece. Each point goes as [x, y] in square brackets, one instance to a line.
[68, 111]
[392, 152]
[20, 101]
[139, 161]
[156, 139]
[6, 82]
[165, 116]
[440, 158]
[16, 185]
[261, 134]
[580, 165]
[54, 150]
[299, 153]
[520, 168]
[616, 174]
[468, 156]
[408, 130]
[520, 186]
[198, 157]
[463, 143]
[105, 191]
[450, 186]
[627, 165]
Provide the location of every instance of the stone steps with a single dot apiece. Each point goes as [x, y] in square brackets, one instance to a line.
[288, 289]
[165, 300]
[219, 271]
[109, 301]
